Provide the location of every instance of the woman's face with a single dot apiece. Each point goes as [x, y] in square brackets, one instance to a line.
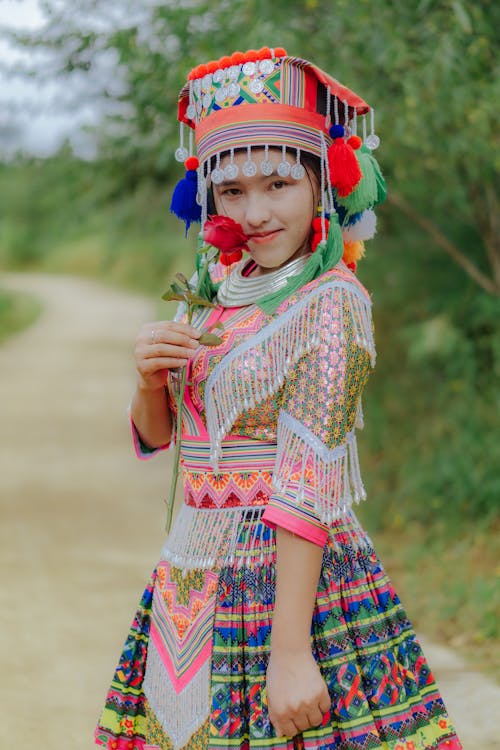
[275, 212]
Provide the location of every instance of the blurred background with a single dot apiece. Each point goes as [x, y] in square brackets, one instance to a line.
[88, 131]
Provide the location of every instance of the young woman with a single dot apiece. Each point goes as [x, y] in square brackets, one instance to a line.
[269, 621]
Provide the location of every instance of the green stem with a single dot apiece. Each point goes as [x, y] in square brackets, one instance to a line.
[180, 401]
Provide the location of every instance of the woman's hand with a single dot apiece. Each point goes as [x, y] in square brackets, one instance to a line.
[297, 695]
[160, 347]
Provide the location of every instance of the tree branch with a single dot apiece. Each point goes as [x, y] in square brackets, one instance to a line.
[440, 239]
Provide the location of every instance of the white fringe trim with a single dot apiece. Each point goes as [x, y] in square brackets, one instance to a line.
[277, 347]
[363, 229]
[360, 420]
[336, 476]
[180, 714]
[207, 538]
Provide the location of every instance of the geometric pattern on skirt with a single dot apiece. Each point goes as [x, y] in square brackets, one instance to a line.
[383, 693]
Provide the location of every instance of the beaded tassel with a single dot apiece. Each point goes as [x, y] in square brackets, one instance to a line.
[333, 476]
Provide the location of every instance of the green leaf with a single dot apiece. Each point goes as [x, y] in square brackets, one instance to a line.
[182, 279]
[209, 339]
[170, 295]
[176, 288]
[195, 299]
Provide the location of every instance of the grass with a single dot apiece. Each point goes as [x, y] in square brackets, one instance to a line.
[18, 310]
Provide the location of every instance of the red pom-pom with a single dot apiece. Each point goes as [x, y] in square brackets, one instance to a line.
[280, 52]
[212, 66]
[263, 53]
[192, 74]
[191, 163]
[345, 172]
[316, 224]
[352, 266]
[237, 58]
[315, 242]
[355, 142]
[225, 62]
[251, 55]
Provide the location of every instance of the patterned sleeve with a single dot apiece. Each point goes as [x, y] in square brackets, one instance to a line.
[316, 476]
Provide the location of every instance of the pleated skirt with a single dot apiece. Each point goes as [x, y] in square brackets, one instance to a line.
[192, 672]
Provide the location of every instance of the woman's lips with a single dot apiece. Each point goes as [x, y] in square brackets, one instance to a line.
[263, 237]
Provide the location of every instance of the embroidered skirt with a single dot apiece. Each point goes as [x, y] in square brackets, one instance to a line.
[192, 673]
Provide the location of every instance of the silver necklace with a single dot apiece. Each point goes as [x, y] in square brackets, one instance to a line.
[237, 290]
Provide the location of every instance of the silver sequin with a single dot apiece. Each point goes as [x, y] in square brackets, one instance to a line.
[233, 90]
[191, 112]
[217, 176]
[207, 81]
[197, 87]
[249, 169]
[298, 172]
[266, 67]
[266, 168]
[249, 69]
[283, 169]
[221, 94]
[181, 154]
[372, 141]
[219, 75]
[231, 172]
[256, 85]
[207, 100]
[233, 73]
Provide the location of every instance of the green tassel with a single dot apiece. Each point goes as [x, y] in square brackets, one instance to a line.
[371, 189]
[381, 186]
[327, 255]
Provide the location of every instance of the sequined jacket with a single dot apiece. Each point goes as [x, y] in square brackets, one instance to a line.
[269, 419]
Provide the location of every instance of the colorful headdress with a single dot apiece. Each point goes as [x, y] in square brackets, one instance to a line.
[268, 99]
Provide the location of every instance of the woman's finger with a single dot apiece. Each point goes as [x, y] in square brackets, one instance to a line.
[157, 351]
[315, 717]
[150, 367]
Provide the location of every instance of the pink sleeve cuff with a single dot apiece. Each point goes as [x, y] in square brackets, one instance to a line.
[279, 512]
[142, 450]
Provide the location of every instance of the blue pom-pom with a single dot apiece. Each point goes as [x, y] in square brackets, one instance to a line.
[337, 131]
[183, 203]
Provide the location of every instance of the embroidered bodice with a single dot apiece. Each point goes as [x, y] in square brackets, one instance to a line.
[269, 417]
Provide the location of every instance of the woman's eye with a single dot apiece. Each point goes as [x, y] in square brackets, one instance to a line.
[231, 191]
[279, 184]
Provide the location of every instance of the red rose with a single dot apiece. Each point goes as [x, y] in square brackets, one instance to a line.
[225, 234]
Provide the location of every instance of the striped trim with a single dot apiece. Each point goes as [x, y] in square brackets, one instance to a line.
[271, 124]
[237, 453]
[292, 83]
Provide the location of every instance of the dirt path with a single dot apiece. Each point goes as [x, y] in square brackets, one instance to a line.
[82, 522]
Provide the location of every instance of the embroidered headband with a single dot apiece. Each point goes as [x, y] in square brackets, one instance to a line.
[268, 99]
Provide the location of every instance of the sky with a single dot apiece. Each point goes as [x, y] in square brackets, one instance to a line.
[29, 109]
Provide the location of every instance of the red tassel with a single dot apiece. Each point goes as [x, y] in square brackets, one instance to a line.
[345, 172]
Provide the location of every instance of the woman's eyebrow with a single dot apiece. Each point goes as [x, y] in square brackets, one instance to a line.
[236, 183]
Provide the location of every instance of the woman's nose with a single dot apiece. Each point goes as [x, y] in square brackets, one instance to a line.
[257, 210]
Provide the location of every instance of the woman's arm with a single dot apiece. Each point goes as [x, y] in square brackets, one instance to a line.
[160, 347]
[296, 692]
